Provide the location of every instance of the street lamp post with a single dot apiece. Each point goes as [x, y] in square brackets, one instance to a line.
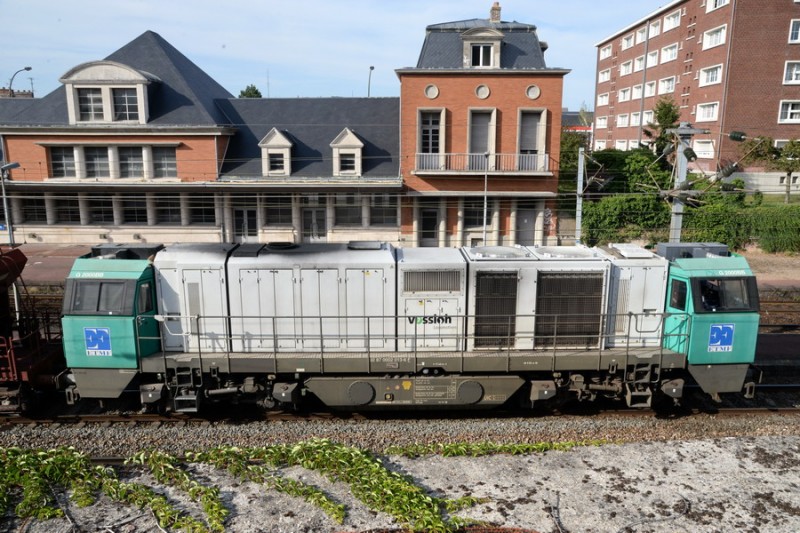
[369, 80]
[11, 81]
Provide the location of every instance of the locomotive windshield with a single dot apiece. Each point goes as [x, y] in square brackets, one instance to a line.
[725, 295]
[99, 297]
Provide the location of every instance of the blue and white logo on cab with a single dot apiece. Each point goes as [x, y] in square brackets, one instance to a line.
[98, 342]
[720, 338]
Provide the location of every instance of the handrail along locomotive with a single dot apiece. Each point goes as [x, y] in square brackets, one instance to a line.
[366, 325]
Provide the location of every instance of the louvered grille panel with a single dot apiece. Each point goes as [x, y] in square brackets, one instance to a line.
[432, 281]
[495, 309]
[568, 308]
[623, 295]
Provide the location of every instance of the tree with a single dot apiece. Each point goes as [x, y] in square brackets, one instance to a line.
[251, 91]
[786, 159]
[666, 114]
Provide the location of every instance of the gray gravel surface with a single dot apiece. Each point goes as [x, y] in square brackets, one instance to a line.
[698, 473]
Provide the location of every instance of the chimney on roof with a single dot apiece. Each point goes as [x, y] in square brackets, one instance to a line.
[494, 13]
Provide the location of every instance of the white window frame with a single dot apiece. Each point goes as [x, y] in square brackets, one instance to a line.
[794, 29]
[602, 99]
[624, 95]
[605, 52]
[707, 112]
[650, 89]
[600, 144]
[638, 64]
[636, 119]
[652, 59]
[791, 73]
[669, 53]
[706, 72]
[792, 112]
[627, 41]
[704, 148]
[626, 68]
[641, 35]
[636, 92]
[604, 75]
[655, 28]
[621, 145]
[662, 85]
[710, 37]
[623, 120]
[648, 117]
[601, 123]
[672, 20]
[712, 5]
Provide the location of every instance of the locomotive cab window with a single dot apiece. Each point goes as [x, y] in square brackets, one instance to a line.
[99, 297]
[677, 298]
[725, 295]
[145, 299]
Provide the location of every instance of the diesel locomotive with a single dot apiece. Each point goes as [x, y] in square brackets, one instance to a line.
[365, 325]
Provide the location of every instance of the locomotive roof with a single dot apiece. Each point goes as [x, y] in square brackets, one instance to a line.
[101, 268]
[713, 266]
[310, 255]
[432, 257]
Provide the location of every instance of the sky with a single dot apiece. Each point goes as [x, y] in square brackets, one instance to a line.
[295, 48]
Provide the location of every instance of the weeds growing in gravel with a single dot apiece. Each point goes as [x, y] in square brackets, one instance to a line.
[33, 478]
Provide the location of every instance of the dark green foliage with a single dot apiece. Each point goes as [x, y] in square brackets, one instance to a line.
[251, 91]
[626, 217]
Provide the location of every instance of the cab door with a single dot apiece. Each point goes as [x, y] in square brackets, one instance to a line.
[147, 330]
[677, 321]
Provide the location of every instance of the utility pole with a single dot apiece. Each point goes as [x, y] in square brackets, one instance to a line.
[579, 202]
[684, 133]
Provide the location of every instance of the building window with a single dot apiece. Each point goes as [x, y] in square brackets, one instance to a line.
[666, 85]
[672, 21]
[626, 68]
[126, 105]
[134, 209]
[90, 105]
[131, 164]
[647, 117]
[636, 119]
[530, 124]
[650, 89]
[636, 93]
[429, 140]
[711, 75]
[622, 120]
[347, 210]
[627, 41]
[707, 112]
[164, 162]
[602, 99]
[790, 112]
[652, 59]
[168, 210]
[704, 148]
[604, 75]
[715, 37]
[62, 162]
[716, 4]
[624, 94]
[641, 33]
[473, 212]
[276, 163]
[605, 52]
[383, 210]
[655, 28]
[347, 163]
[279, 210]
[67, 210]
[96, 159]
[201, 209]
[791, 74]
[602, 122]
[621, 145]
[600, 145]
[101, 209]
[638, 64]
[481, 55]
[794, 31]
[34, 210]
[669, 53]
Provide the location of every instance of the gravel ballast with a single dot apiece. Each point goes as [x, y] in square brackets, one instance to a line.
[697, 473]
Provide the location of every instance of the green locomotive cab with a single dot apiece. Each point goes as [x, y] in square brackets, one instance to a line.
[712, 317]
[109, 319]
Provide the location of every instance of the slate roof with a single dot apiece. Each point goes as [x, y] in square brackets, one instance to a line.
[184, 97]
[311, 124]
[443, 46]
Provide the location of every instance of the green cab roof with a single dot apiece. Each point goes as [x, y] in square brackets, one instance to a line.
[717, 266]
[94, 268]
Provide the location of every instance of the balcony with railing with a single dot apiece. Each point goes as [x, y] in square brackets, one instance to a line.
[529, 164]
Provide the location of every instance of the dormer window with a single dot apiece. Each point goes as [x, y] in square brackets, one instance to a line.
[276, 154]
[102, 92]
[347, 150]
[482, 48]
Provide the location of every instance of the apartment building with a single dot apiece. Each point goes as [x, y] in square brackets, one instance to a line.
[730, 65]
[144, 146]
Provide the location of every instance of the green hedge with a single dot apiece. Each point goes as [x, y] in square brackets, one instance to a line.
[772, 228]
